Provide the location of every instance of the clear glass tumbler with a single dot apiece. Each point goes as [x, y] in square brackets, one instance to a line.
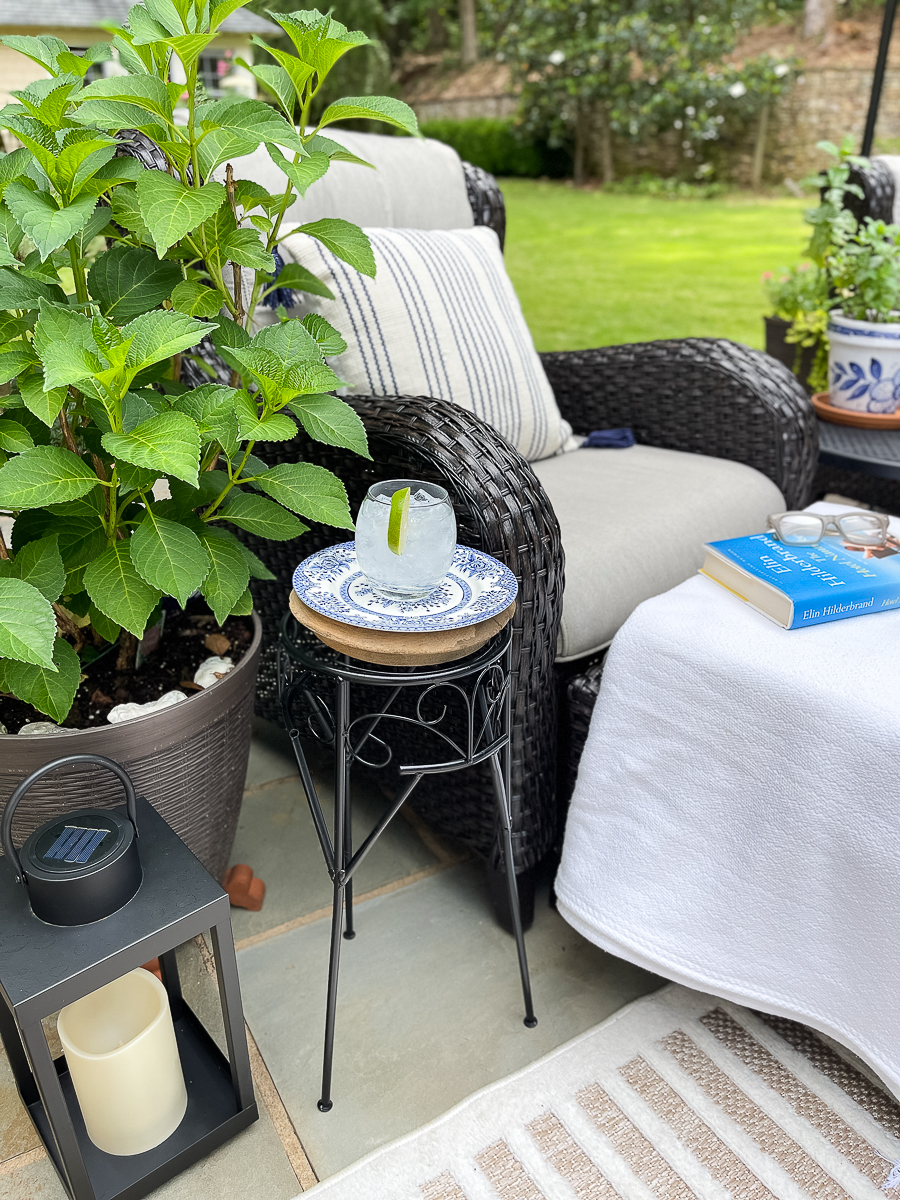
[430, 539]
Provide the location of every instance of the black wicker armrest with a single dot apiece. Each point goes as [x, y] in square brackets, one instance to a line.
[502, 508]
[701, 395]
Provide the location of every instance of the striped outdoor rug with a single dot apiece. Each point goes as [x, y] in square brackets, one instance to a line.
[678, 1095]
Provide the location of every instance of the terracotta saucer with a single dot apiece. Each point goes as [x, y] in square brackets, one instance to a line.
[843, 416]
[390, 649]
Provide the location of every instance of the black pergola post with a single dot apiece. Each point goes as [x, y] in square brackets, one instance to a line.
[887, 26]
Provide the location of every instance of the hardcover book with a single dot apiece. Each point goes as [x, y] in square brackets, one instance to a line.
[807, 585]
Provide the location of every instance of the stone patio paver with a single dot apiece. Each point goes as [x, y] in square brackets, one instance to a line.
[429, 1009]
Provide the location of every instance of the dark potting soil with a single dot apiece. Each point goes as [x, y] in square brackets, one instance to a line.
[172, 665]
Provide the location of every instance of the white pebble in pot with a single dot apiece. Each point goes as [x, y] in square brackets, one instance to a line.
[211, 670]
[127, 712]
[41, 728]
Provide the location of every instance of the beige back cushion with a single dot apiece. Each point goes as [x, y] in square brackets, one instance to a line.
[417, 184]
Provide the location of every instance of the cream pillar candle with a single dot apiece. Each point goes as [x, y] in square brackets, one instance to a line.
[123, 1059]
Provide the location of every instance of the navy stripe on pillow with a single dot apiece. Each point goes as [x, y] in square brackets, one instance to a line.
[440, 318]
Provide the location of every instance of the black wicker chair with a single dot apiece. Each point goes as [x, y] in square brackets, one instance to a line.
[704, 396]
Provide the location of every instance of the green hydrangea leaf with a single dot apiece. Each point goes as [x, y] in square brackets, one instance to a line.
[44, 405]
[297, 278]
[212, 407]
[329, 420]
[228, 575]
[107, 629]
[170, 210]
[244, 605]
[327, 337]
[14, 437]
[196, 300]
[233, 128]
[258, 569]
[27, 624]
[262, 517]
[159, 334]
[51, 691]
[309, 490]
[368, 108]
[168, 443]
[14, 359]
[123, 101]
[40, 564]
[274, 427]
[120, 593]
[44, 475]
[304, 173]
[127, 281]
[230, 336]
[169, 556]
[19, 290]
[345, 241]
[65, 341]
[39, 218]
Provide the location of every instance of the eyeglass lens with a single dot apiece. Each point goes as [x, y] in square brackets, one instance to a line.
[800, 529]
[863, 529]
[805, 529]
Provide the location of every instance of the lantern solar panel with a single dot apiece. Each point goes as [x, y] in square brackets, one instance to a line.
[76, 844]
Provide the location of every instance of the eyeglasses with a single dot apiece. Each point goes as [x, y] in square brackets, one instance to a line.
[806, 529]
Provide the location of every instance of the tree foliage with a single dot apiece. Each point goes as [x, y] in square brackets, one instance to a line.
[593, 68]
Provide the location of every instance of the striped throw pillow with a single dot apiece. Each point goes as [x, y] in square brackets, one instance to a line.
[441, 319]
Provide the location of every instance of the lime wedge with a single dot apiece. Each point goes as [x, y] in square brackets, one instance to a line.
[399, 520]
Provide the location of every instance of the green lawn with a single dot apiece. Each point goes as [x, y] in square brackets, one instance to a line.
[593, 269]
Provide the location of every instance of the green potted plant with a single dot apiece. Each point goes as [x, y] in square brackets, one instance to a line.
[864, 321]
[802, 296]
[795, 328]
[126, 484]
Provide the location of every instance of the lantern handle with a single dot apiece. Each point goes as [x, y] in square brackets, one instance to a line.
[12, 803]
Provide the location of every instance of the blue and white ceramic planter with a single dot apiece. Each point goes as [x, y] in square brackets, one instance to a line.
[863, 364]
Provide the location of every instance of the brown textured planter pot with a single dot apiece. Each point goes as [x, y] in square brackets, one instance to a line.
[190, 761]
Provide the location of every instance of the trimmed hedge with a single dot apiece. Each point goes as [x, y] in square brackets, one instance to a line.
[495, 145]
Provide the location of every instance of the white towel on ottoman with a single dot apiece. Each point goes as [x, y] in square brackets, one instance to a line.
[736, 821]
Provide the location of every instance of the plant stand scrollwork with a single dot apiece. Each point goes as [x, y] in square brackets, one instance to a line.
[462, 711]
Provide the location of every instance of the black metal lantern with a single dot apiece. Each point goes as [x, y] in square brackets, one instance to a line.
[87, 861]
[81, 867]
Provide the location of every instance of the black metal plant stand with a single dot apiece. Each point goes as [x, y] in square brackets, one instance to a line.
[480, 688]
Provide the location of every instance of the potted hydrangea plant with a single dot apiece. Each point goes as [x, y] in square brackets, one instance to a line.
[126, 484]
[864, 321]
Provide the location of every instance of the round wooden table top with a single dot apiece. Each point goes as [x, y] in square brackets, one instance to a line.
[390, 649]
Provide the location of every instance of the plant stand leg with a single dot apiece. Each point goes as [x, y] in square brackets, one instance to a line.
[500, 773]
[341, 806]
[518, 931]
[349, 931]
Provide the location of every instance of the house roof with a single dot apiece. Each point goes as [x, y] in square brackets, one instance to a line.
[87, 14]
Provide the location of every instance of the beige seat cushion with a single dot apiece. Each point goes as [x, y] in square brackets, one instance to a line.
[633, 525]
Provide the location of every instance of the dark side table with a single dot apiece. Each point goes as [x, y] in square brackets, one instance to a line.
[461, 709]
[870, 451]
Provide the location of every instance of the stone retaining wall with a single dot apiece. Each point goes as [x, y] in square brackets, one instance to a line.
[824, 104]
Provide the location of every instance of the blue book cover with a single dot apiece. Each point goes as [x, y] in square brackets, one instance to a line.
[807, 585]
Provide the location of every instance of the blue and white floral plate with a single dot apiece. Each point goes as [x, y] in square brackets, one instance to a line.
[476, 588]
